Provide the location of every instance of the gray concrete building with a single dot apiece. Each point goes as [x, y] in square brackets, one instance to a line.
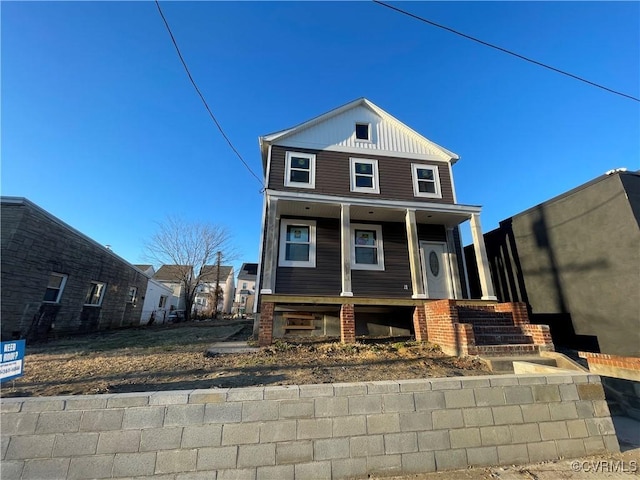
[57, 280]
[575, 259]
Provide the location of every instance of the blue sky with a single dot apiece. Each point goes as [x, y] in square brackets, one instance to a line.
[101, 127]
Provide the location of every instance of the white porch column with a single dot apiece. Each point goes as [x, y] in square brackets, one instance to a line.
[486, 285]
[345, 242]
[414, 255]
[453, 263]
[270, 248]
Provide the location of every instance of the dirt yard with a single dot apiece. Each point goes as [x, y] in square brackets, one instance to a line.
[172, 357]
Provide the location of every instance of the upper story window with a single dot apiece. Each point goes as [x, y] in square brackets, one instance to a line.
[297, 243]
[95, 294]
[426, 181]
[55, 286]
[300, 170]
[367, 252]
[363, 132]
[364, 176]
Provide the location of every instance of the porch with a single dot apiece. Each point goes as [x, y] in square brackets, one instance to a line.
[459, 327]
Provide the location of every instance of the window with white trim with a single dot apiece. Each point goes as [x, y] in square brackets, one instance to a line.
[363, 131]
[364, 175]
[55, 287]
[426, 181]
[95, 294]
[300, 170]
[367, 252]
[297, 243]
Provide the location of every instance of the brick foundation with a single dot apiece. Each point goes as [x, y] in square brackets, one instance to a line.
[442, 318]
[347, 323]
[420, 324]
[265, 325]
[518, 310]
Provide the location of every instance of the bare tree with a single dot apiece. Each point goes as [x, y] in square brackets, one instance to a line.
[188, 248]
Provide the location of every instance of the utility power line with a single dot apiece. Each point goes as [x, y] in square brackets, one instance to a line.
[206, 105]
[504, 50]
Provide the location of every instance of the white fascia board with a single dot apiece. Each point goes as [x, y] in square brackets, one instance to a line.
[368, 151]
[366, 202]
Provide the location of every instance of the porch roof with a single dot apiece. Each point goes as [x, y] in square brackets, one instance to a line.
[364, 209]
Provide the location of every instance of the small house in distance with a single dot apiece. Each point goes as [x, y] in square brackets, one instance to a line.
[575, 260]
[361, 237]
[171, 275]
[246, 289]
[55, 278]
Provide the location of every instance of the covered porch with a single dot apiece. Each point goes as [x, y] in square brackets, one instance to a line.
[446, 277]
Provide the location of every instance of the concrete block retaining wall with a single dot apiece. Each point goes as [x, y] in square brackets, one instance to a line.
[308, 431]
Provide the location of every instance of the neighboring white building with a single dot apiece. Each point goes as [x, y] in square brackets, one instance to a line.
[246, 289]
[157, 303]
[205, 296]
[169, 276]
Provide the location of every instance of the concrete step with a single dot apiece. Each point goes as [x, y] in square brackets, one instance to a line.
[504, 364]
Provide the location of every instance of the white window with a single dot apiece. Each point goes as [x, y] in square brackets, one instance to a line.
[133, 295]
[364, 175]
[363, 131]
[95, 294]
[297, 243]
[367, 252]
[55, 286]
[300, 170]
[426, 181]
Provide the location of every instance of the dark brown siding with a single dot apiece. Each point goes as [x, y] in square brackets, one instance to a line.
[325, 279]
[431, 233]
[332, 176]
[396, 274]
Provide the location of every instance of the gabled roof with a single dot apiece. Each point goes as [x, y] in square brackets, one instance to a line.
[170, 273]
[391, 135]
[209, 273]
[148, 269]
[173, 273]
[248, 271]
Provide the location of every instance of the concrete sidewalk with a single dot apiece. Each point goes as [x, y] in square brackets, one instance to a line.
[621, 466]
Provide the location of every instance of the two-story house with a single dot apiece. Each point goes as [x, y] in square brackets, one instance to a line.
[361, 227]
[246, 289]
[205, 293]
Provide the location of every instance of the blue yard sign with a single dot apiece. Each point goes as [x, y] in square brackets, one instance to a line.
[12, 365]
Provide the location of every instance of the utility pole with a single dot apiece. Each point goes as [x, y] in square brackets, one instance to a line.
[217, 292]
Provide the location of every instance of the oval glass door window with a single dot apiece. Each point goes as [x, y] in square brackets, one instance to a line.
[434, 263]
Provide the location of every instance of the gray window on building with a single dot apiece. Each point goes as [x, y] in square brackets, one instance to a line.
[95, 294]
[133, 295]
[163, 301]
[55, 287]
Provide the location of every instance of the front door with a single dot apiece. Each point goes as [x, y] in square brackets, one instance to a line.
[435, 266]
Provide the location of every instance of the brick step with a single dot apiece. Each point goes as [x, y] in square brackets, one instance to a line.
[504, 350]
[499, 329]
[487, 322]
[503, 339]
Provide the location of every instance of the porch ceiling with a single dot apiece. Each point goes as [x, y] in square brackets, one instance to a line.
[372, 213]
